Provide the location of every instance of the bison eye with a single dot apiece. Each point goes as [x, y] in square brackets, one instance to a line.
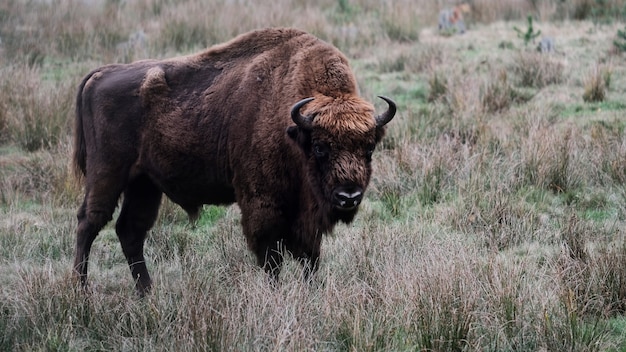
[320, 150]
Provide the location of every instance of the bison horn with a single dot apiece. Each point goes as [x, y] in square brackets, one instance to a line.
[383, 119]
[305, 122]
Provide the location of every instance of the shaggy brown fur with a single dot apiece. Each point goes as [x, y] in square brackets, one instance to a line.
[216, 128]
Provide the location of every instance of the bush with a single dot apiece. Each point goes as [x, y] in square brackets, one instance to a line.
[536, 70]
[528, 35]
[597, 10]
[399, 24]
[620, 41]
[498, 94]
[596, 84]
[35, 114]
[438, 87]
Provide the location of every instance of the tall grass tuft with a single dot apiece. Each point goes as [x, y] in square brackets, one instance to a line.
[398, 23]
[609, 268]
[536, 70]
[564, 329]
[595, 280]
[38, 113]
[438, 86]
[607, 139]
[499, 95]
[596, 84]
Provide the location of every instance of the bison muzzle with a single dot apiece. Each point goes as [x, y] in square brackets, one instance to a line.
[271, 120]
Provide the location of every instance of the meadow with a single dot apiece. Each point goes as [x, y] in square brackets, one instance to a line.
[495, 219]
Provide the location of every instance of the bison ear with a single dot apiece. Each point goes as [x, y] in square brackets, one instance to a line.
[292, 131]
[380, 133]
[300, 136]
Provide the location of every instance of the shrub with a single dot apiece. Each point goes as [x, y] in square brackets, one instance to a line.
[392, 196]
[564, 329]
[430, 188]
[399, 24]
[4, 121]
[597, 10]
[596, 84]
[550, 159]
[438, 87]
[609, 144]
[40, 176]
[559, 176]
[37, 113]
[462, 99]
[184, 36]
[596, 280]
[574, 235]
[528, 35]
[490, 11]
[620, 41]
[536, 70]
[609, 268]
[498, 94]
[38, 31]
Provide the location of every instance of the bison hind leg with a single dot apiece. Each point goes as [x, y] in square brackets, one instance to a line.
[140, 208]
[101, 196]
[89, 225]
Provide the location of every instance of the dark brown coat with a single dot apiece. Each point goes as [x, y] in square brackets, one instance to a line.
[218, 127]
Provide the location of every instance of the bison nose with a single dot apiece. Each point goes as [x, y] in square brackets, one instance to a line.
[347, 198]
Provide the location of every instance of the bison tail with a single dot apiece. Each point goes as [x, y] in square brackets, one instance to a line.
[80, 149]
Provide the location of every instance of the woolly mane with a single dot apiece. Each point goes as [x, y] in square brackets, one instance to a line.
[343, 114]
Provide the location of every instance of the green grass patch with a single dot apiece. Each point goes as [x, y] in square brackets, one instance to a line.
[591, 108]
[210, 215]
[597, 214]
[618, 332]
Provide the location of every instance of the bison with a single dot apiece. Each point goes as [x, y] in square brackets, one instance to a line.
[271, 120]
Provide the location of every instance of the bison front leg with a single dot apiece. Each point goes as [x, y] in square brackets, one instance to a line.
[264, 232]
[270, 257]
[310, 265]
[306, 249]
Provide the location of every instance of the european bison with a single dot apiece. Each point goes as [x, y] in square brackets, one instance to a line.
[271, 120]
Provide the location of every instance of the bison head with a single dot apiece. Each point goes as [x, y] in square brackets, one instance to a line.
[338, 137]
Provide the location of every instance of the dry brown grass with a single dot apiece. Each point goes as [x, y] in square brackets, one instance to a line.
[537, 70]
[494, 220]
[596, 84]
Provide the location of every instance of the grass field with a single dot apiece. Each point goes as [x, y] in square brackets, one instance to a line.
[495, 219]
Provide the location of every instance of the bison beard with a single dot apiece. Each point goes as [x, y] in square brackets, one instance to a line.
[271, 120]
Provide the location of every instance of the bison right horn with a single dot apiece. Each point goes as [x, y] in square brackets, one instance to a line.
[305, 122]
[385, 117]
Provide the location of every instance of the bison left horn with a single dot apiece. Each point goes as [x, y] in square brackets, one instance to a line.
[305, 122]
[385, 117]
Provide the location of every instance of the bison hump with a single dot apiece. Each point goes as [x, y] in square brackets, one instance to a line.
[154, 84]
